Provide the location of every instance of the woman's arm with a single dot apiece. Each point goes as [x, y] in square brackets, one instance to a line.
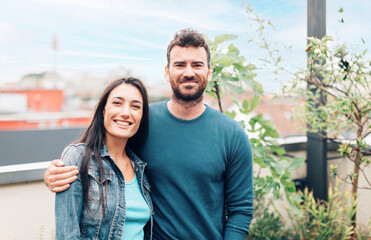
[69, 203]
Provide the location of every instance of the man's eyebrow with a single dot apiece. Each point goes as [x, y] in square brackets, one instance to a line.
[194, 62]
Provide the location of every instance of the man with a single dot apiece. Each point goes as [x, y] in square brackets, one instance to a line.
[199, 161]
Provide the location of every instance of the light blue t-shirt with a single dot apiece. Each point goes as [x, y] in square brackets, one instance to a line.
[137, 211]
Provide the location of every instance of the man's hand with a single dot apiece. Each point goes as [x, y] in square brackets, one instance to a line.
[58, 178]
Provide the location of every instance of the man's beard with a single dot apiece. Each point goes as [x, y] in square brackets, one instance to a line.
[188, 97]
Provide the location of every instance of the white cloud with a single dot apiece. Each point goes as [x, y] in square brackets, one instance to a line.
[144, 42]
[9, 34]
[99, 55]
[139, 31]
[5, 27]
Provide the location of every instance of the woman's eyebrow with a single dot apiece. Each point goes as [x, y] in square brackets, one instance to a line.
[122, 99]
[137, 101]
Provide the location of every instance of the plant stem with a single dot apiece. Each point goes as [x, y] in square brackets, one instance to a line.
[216, 90]
[357, 155]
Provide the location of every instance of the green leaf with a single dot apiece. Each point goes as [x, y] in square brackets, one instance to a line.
[233, 51]
[280, 167]
[242, 124]
[255, 101]
[231, 114]
[258, 88]
[245, 107]
[296, 163]
[215, 56]
[290, 186]
[226, 77]
[225, 60]
[224, 37]
[234, 88]
[279, 150]
[270, 130]
[260, 162]
[207, 39]
[341, 10]
[296, 198]
[209, 87]
[217, 69]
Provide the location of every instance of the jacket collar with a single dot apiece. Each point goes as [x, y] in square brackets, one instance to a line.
[133, 157]
[104, 151]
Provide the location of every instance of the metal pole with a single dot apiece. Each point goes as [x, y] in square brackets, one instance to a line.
[317, 145]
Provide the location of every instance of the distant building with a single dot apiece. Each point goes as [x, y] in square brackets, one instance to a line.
[279, 111]
[12, 102]
[43, 80]
[38, 109]
[37, 100]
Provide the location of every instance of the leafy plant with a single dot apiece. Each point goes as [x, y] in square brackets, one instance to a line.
[267, 224]
[232, 75]
[320, 220]
[339, 96]
[324, 220]
[338, 103]
[366, 234]
[42, 233]
[271, 57]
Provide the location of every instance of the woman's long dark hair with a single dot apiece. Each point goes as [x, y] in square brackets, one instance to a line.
[96, 133]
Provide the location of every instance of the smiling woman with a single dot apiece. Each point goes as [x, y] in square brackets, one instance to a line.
[111, 192]
[123, 112]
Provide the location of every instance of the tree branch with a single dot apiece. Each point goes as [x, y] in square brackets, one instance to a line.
[216, 91]
[344, 180]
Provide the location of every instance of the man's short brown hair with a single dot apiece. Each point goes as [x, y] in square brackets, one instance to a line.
[188, 38]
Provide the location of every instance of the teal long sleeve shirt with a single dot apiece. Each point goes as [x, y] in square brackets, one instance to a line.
[201, 175]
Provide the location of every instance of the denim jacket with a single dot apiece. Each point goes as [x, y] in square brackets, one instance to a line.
[72, 218]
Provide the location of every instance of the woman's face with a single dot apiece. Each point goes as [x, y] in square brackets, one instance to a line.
[123, 112]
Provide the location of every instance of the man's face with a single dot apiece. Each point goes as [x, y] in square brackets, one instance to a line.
[188, 72]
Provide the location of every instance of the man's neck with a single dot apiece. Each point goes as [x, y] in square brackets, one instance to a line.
[184, 109]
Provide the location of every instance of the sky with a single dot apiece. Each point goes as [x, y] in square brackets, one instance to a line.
[98, 37]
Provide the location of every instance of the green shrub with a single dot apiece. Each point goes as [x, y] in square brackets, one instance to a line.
[270, 226]
[320, 220]
[366, 233]
[324, 220]
[267, 224]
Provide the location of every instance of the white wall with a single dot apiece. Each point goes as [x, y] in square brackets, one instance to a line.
[24, 209]
[345, 166]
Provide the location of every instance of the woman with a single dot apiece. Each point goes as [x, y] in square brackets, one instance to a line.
[111, 198]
